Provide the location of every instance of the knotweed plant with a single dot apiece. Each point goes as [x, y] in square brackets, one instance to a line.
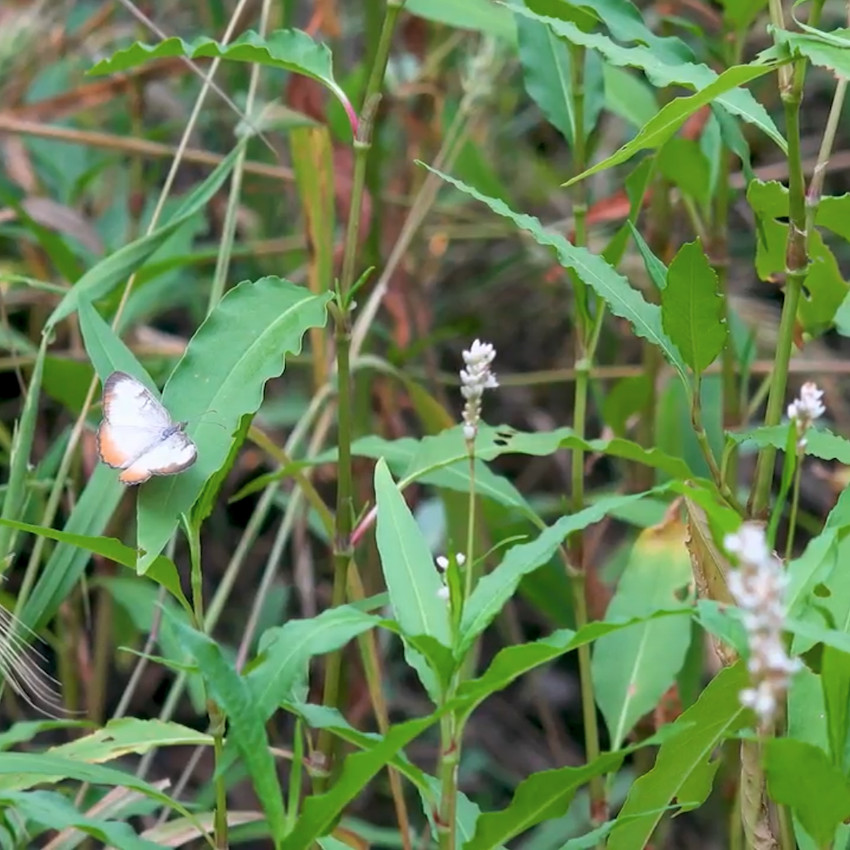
[758, 587]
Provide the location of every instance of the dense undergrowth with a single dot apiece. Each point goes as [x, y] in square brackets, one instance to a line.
[336, 241]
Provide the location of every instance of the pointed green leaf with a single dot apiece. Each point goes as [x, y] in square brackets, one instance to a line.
[246, 726]
[54, 811]
[162, 570]
[412, 579]
[822, 801]
[664, 69]
[67, 563]
[546, 73]
[494, 589]
[220, 379]
[622, 299]
[633, 668]
[716, 715]
[290, 50]
[319, 813]
[130, 735]
[692, 308]
[114, 269]
[20, 458]
[286, 652]
[545, 795]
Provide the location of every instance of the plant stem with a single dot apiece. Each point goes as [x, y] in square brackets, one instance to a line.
[216, 716]
[791, 79]
[585, 343]
[217, 727]
[342, 549]
[449, 761]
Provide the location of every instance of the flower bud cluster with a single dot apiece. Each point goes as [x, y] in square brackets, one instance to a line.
[758, 587]
[474, 379]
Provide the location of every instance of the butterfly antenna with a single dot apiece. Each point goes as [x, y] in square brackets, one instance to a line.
[22, 667]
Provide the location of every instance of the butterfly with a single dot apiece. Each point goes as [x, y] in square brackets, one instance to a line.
[137, 434]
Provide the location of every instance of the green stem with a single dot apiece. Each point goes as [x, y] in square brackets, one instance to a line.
[216, 715]
[217, 727]
[196, 575]
[586, 331]
[470, 528]
[791, 79]
[342, 550]
[795, 506]
[449, 761]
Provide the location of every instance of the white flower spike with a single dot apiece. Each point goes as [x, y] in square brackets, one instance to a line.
[474, 379]
[758, 587]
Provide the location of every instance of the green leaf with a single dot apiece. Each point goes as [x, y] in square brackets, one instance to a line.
[130, 735]
[220, 379]
[822, 801]
[627, 96]
[494, 589]
[547, 74]
[67, 563]
[162, 570]
[25, 730]
[633, 668]
[412, 579]
[289, 50]
[671, 117]
[53, 811]
[830, 50]
[692, 308]
[543, 796]
[21, 770]
[514, 661]
[682, 162]
[286, 652]
[835, 679]
[20, 457]
[492, 442]
[820, 442]
[622, 18]
[454, 476]
[606, 282]
[114, 269]
[106, 349]
[319, 813]
[480, 15]
[413, 584]
[825, 287]
[656, 270]
[246, 725]
[665, 69]
[716, 715]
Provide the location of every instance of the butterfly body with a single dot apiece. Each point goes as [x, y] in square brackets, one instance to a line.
[137, 434]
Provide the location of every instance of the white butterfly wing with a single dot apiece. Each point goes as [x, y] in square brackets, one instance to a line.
[127, 401]
[173, 454]
[137, 434]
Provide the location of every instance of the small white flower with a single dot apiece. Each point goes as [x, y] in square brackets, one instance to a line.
[804, 410]
[758, 587]
[460, 558]
[474, 379]
[443, 593]
[442, 563]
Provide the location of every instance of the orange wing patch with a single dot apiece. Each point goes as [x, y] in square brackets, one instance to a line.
[110, 452]
[138, 473]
